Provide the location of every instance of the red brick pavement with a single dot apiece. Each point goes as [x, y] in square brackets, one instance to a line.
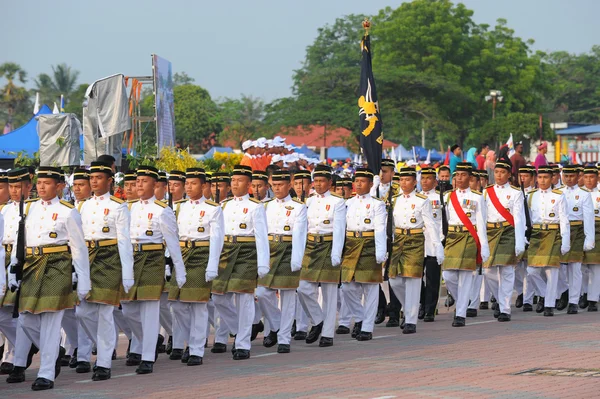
[478, 361]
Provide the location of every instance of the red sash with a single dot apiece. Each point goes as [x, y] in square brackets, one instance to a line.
[501, 210]
[467, 223]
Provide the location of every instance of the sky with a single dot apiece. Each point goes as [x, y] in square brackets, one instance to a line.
[239, 46]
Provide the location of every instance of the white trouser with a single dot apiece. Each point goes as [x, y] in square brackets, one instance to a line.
[308, 293]
[408, 292]
[547, 288]
[563, 280]
[529, 289]
[268, 304]
[244, 304]
[475, 293]
[98, 322]
[258, 314]
[69, 326]
[143, 318]
[501, 280]
[9, 352]
[22, 345]
[346, 315]
[212, 316]
[121, 323]
[166, 319]
[198, 312]
[301, 316]
[585, 279]
[353, 295]
[593, 288]
[8, 325]
[182, 318]
[574, 278]
[459, 283]
[520, 273]
[44, 331]
[228, 319]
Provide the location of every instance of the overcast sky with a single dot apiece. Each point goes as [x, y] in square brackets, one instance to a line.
[238, 46]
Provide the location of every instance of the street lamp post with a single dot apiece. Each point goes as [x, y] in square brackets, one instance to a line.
[495, 97]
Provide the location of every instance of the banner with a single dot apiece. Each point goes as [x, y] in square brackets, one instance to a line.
[163, 102]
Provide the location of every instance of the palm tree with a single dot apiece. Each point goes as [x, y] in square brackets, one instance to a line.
[11, 95]
[63, 81]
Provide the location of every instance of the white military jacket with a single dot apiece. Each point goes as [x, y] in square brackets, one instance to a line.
[550, 207]
[327, 215]
[367, 213]
[105, 217]
[511, 199]
[287, 216]
[436, 209]
[580, 207]
[10, 212]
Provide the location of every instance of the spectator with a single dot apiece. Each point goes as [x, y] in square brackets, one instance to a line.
[490, 164]
[541, 160]
[518, 161]
[455, 157]
[472, 157]
[481, 157]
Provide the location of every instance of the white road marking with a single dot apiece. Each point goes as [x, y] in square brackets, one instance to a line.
[265, 354]
[114, 376]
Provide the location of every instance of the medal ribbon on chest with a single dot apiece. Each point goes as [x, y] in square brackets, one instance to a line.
[106, 229]
[149, 232]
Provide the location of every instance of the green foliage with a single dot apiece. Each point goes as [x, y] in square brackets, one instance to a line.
[145, 155]
[22, 159]
[522, 126]
[243, 119]
[14, 99]
[63, 81]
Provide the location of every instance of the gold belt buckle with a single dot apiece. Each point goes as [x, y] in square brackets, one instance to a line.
[188, 244]
[92, 244]
[136, 247]
[36, 250]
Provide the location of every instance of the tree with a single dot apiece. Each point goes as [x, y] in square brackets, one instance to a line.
[242, 118]
[182, 78]
[74, 102]
[62, 81]
[14, 103]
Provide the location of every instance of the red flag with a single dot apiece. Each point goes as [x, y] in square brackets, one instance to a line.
[447, 160]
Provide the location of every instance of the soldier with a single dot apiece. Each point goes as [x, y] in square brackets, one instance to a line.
[581, 219]
[55, 244]
[245, 253]
[523, 286]
[505, 234]
[287, 227]
[466, 244]
[445, 175]
[302, 184]
[201, 235]
[413, 220]
[81, 186]
[161, 188]
[130, 187]
[176, 185]
[220, 186]
[556, 182]
[152, 223]
[591, 259]
[260, 185]
[343, 187]
[550, 238]
[4, 194]
[326, 228]
[430, 289]
[106, 229]
[365, 251]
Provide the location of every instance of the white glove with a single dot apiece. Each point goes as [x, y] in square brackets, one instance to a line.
[565, 248]
[180, 280]
[381, 259]
[519, 251]
[485, 254]
[335, 261]
[588, 246]
[82, 294]
[439, 256]
[376, 182]
[210, 276]
[167, 272]
[74, 277]
[296, 267]
[127, 284]
[263, 271]
[2, 287]
[12, 281]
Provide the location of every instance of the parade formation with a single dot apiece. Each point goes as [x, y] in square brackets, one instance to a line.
[192, 260]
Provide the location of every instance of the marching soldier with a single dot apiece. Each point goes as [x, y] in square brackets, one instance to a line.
[364, 252]
[81, 186]
[130, 187]
[591, 259]
[176, 185]
[201, 236]
[523, 286]
[505, 234]
[323, 255]
[343, 187]
[413, 220]
[581, 220]
[430, 289]
[220, 186]
[302, 184]
[106, 223]
[54, 239]
[550, 238]
[287, 227]
[260, 185]
[161, 188]
[466, 244]
[152, 223]
[245, 253]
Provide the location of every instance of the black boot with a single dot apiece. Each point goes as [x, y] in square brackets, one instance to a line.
[186, 355]
[548, 312]
[471, 312]
[527, 307]
[41, 384]
[519, 301]
[169, 347]
[458, 321]
[6, 368]
[145, 367]
[392, 322]
[497, 312]
[271, 339]
[32, 351]
[540, 305]
[160, 345]
[583, 301]
[592, 306]
[257, 328]
[194, 361]
[563, 302]
[134, 359]
[572, 309]
[483, 306]
[176, 354]
[314, 333]
[364, 336]
[16, 375]
[300, 336]
[101, 374]
[342, 330]
[409, 329]
[83, 367]
[218, 348]
[380, 317]
[356, 329]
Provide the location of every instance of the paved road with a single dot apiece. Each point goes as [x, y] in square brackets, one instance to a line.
[482, 360]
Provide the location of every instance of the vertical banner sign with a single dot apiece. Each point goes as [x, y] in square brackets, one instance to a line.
[163, 102]
[370, 127]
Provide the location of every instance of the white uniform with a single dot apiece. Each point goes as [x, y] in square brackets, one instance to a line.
[593, 286]
[143, 315]
[460, 282]
[9, 225]
[285, 217]
[548, 207]
[522, 283]
[326, 215]
[501, 278]
[104, 218]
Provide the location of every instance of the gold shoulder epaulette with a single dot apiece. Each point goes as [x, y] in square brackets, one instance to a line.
[557, 191]
[532, 191]
[476, 192]
[161, 203]
[337, 195]
[181, 201]
[255, 200]
[31, 200]
[437, 191]
[379, 199]
[421, 196]
[211, 203]
[67, 204]
[226, 200]
[516, 188]
[297, 200]
[116, 199]
[396, 196]
[132, 201]
[585, 189]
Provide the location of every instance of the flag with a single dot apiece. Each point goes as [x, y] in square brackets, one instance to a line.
[55, 110]
[36, 106]
[393, 150]
[62, 103]
[371, 134]
[511, 146]
[414, 154]
[447, 158]
[428, 160]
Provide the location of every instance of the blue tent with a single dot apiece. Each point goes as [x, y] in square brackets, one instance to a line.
[211, 153]
[338, 153]
[306, 151]
[403, 154]
[25, 138]
[436, 156]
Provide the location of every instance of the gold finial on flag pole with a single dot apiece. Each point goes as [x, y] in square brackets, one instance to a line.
[366, 25]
